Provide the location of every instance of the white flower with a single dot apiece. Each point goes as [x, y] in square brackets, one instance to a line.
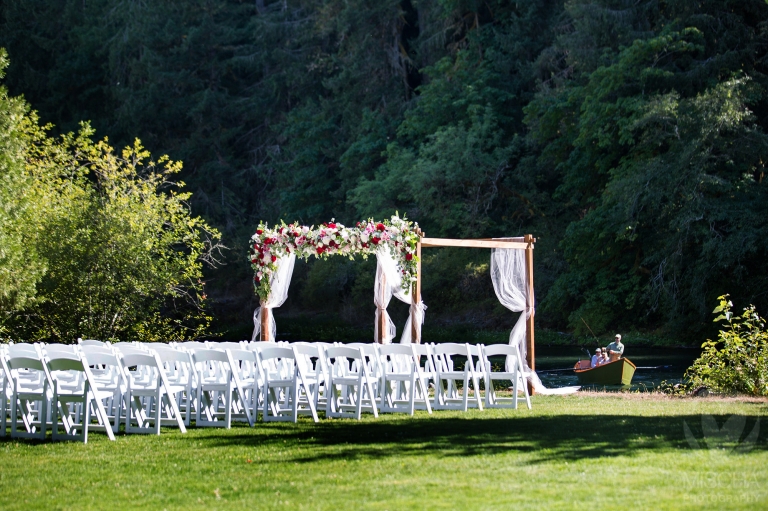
[364, 237]
[267, 257]
[305, 229]
[326, 240]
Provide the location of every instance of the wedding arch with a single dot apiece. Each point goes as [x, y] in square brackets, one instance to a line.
[396, 243]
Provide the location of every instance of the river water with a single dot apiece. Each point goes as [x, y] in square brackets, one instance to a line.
[554, 365]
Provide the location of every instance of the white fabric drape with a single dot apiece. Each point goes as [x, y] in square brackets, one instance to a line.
[279, 283]
[510, 284]
[389, 283]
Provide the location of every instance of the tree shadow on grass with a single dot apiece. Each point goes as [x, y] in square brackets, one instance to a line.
[560, 437]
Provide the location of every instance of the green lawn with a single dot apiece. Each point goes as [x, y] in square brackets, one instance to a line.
[586, 450]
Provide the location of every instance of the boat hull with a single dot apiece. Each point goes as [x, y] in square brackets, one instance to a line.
[618, 372]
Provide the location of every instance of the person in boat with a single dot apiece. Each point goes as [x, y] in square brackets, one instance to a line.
[616, 348]
[596, 358]
[604, 359]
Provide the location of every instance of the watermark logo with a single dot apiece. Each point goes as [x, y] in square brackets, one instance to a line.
[727, 437]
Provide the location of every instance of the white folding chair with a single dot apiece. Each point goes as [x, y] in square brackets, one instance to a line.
[6, 389]
[73, 404]
[148, 395]
[68, 379]
[245, 376]
[214, 388]
[286, 386]
[449, 397]
[350, 384]
[311, 358]
[30, 397]
[402, 383]
[513, 372]
[179, 371]
[370, 352]
[108, 381]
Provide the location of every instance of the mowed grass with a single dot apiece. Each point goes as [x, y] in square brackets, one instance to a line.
[569, 452]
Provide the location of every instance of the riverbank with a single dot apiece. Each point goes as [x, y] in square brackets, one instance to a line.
[293, 328]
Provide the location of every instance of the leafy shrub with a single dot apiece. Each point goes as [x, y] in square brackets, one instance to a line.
[737, 362]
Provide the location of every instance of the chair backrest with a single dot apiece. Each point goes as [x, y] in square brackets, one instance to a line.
[168, 354]
[123, 344]
[37, 378]
[305, 352]
[343, 351]
[139, 359]
[450, 348]
[22, 362]
[397, 358]
[442, 355]
[64, 349]
[424, 350]
[261, 345]
[92, 342]
[395, 349]
[276, 352]
[242, 355]
[193, 345]
[23, 349]
[108, 360]
[208, 355]
[99, 356]
[131, 350]
[225, 345]
[65, 364]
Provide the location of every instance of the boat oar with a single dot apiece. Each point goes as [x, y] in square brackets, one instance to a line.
[571, 369]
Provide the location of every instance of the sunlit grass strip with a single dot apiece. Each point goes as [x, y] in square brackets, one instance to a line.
[568, 452]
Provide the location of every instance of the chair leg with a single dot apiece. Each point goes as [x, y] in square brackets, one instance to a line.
[3, 402]
[465, 397]
[44, 411]
[87, 418]
[158, 410]
[372, 396]
[412, 395]
[229, 402]
[14, 412]
[295, 398]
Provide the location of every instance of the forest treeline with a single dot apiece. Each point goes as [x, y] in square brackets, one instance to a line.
[629, 136]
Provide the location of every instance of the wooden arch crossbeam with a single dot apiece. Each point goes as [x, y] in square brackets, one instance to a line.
[520, 243]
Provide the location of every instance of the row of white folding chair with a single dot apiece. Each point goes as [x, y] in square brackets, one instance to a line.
[398, 382]
[135, 386]
[49, 385]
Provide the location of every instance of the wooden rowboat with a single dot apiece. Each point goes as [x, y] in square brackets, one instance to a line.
[618, 372]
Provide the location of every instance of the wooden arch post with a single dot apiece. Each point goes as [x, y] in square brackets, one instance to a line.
[530, 357]
[266, 334]
[416, 293]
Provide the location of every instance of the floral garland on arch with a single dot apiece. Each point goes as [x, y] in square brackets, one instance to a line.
[269, 244]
